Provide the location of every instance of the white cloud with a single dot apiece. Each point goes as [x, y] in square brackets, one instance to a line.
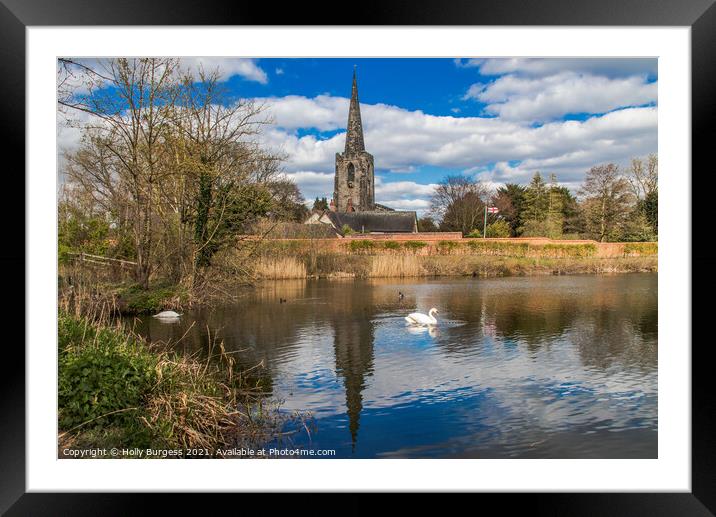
[404, 140]
[324, 112]
[313, 184]
[406, 195]
[609, 67]
[513, 97]
[228, 67]
[401, 189]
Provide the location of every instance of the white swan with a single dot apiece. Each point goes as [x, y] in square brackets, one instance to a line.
[418, 318]
[166, 315]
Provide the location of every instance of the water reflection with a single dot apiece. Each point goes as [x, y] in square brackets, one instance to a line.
[518, 367]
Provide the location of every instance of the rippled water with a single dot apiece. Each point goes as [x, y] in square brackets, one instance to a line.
[557, 367]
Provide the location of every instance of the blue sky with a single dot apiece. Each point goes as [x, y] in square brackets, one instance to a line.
[498, 120]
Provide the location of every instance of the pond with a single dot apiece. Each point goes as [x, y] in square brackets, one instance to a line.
[520, 367]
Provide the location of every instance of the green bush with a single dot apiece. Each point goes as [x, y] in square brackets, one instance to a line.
[101, 373]
[78, 232]
[474, 234]
[360, 245]
[641, 248]
[391, 245]
[569, 250]
[447, 245]
[414, 245]
[498, 229]
[346, 230]
[137, 300]
[509, 249]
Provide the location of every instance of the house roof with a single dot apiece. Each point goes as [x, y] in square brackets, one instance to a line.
[374, 221]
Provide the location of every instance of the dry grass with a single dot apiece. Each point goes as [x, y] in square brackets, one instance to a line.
[204, 404]
[395, 266]
[193, 403]
[389, 263]
[282, 268]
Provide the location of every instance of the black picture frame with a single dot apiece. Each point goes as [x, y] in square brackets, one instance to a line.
[700, 15]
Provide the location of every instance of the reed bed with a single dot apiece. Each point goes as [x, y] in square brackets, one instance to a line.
[395, 266]
[281, 268]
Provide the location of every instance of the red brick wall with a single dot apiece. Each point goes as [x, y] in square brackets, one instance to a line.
[422, 236]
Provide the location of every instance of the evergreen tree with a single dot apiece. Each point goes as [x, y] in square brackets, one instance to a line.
[320, 204]
[650, 207]
[509, 200]
[554, 223]
[535, 207]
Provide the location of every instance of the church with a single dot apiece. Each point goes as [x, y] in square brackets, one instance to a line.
[353, 204]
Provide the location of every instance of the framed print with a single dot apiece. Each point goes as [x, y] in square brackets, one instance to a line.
[416, 252]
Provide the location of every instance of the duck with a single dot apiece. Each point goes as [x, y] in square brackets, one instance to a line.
[418, 318]
[400, 295]
[167, 315]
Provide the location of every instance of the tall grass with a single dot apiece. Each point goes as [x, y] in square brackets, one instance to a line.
[395, 266]
[280, 268]
[117, 390]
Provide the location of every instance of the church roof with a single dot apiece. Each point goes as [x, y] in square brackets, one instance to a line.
[354, 134]
[374, 221]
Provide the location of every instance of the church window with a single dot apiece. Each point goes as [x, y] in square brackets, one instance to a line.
[351, 174]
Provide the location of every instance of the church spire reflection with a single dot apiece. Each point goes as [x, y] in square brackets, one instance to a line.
[353, 346]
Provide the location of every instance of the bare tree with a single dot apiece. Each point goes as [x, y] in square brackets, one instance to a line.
[607, 201]
[170, 159]
[216, 147]
[131, 102]
[459, 203]
[644, 177]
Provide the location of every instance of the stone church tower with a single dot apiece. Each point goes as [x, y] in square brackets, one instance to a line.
[354, 183]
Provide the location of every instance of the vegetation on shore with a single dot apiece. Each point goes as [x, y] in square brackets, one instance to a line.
[365, 259]
[117, 390]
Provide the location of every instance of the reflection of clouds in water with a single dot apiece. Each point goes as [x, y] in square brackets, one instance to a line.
[542, 387]
[510, 361]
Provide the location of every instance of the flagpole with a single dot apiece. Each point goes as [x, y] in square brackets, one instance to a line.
[484, 226]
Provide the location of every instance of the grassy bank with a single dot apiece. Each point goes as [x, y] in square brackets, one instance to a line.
[356, 258]
[367, 259]
[116, 390]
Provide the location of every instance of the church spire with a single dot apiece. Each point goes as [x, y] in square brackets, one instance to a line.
[354, 135]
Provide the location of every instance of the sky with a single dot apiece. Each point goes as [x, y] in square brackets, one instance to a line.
[497, 120]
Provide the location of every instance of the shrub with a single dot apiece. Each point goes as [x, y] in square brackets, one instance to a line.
[512, 249]
[346, 230]
[414, 245]
[103, 375]
[447, 246]
[360, 245]
[569, 250]
[137, 300]
[641, 248]
[391, 245]
[474, 234]
[498, 229]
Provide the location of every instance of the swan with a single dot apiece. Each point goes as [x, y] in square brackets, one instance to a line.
[418, 318]
[167, 315]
